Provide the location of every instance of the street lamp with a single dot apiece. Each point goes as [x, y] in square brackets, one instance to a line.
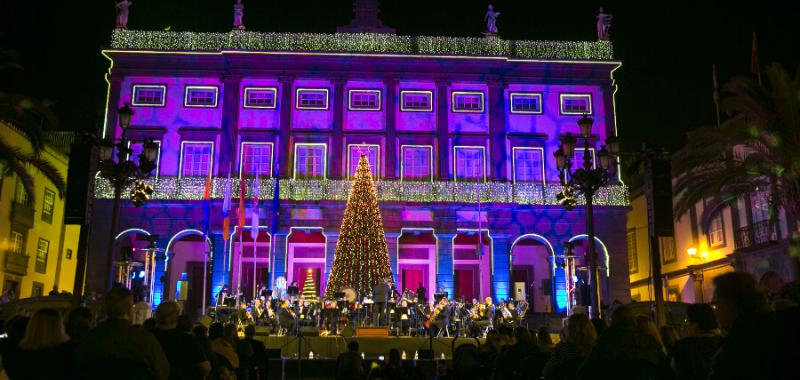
[586, 180]
[123, 173]
[697, 269]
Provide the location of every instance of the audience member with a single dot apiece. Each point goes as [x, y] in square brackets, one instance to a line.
[115, 349]
[259, 363]
[545, 340]
[225, 352]
[691, 356]
[647, 326]
[184, 354]
[201, 334]
[350, 365]
[78, 323]
[669, 335]
[579, 338]
[243, 350]
[46, 351]
[391, 370]
[507, 364]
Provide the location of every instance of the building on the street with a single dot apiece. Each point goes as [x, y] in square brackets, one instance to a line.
[38, 249]
[460, 133]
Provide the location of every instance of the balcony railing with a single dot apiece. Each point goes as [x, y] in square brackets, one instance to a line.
[754, 234]
[17, 263]
[22, 214]
[173, 188]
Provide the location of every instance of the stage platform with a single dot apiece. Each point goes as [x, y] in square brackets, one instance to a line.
[332, 346]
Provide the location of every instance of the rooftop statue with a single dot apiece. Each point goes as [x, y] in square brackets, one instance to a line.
[238, 14]
[491, 20]
[603, 25]
[122, 13]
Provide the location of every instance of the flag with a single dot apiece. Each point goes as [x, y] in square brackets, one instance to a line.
[255, 223]
[276, 199]
[242, 189]
[207, 205]
[226, 207]
[715, 94]
[754, 66]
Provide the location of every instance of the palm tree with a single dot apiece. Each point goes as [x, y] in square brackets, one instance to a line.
[30, 117]
[757, 148]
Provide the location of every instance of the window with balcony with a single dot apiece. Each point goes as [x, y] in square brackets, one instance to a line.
[312, 99]
[577, 158]
[37, 289]
[20, 194]
[576, 104]
[716, 231]
[364, 100]
[528, 164]
[149, 95]
[201, 96]
[416, 163]
[17, 242]
[633, 258]
[256, 158]
[196, 158]
[42, 251]
[373, 153]
[260, 97]
[310, 161]
[464, 101]
[469, 163]
[526, 102]
[759, 206]
[48, 205]
[416, 101]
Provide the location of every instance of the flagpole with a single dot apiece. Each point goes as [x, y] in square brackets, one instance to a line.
[239, 269]
[205, 256]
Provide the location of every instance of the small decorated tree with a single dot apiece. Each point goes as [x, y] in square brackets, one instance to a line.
[362, 257]
[309, 287]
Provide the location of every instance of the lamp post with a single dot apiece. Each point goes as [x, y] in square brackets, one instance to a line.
[122, 172]
[586, 180]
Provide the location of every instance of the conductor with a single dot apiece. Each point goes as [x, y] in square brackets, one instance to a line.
[380, 294]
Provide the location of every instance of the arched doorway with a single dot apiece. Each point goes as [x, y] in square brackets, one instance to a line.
[306, 251]
[187, 270]
[472, 263]
[251, 258]
[580, 245]
[532, 270]
[134, 267]
[416, 260]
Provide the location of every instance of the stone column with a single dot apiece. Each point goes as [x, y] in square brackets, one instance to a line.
[217, 267]
[501, 260]
[114, 87]
[444, 262]
[161, 271]
[338, 128]
[230, 123]
[332, 238]
[286, 107]
[497, 128]
[390, 107]
[391, 244]
[442, 129]
[279, 255]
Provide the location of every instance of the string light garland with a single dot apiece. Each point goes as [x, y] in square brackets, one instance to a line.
[362, 256]
[358, 42]
[187, 188]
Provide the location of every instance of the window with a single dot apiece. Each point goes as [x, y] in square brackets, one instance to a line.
[69, 254]
[312, 99]
[42, 250]
[416, 162]
[260, 97]
[37, 289]
[201, 96]
[576, 104]
[759, 204]
[256, 158]
[528, 164]
[149, 95]
[469, 163]
[364, 100]
[673, 294]
[373, 153]
[467, 101]
[21, 195]
[48, 205]
[196, 158]
[667, 246]
[17, 243]
[577, 158]
[309, 161]
[416, 101]
[526, 103]
[716, 230]
[138, 148]
[633, 258]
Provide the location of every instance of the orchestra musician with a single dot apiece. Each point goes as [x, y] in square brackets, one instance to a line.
[421, 293]
[287, 317]
[380, 295]
[223, 293]
[293, 290]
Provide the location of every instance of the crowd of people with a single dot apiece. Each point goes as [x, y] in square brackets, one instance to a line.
[738, 336]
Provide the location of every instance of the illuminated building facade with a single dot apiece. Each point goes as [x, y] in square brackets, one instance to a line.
[460, 133]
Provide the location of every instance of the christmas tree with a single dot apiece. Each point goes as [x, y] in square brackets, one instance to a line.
[309, 288]
[362, 258]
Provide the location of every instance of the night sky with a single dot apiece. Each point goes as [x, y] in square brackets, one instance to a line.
[667, 52]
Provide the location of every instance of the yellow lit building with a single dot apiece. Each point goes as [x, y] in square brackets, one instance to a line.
[37, 250]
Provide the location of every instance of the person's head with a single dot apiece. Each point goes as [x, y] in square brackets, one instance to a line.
[184, 324]
[599, 325]
[700, 317]
[118, 303]
[258, 301]
[488, 300]
[249, 331]
[394, 358]
[200, 331]
[149, 324]
[647, 326]
[736, 294]
[669, 335]
[511, 306]
[522, 335]
[167, 315]
[580, 333]
[215, 330]
[352, 346]
[45, 329]
[623, 318]
[543, 335]
[230, 334]
[419, 285]
[79, 321]
[55, 288]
